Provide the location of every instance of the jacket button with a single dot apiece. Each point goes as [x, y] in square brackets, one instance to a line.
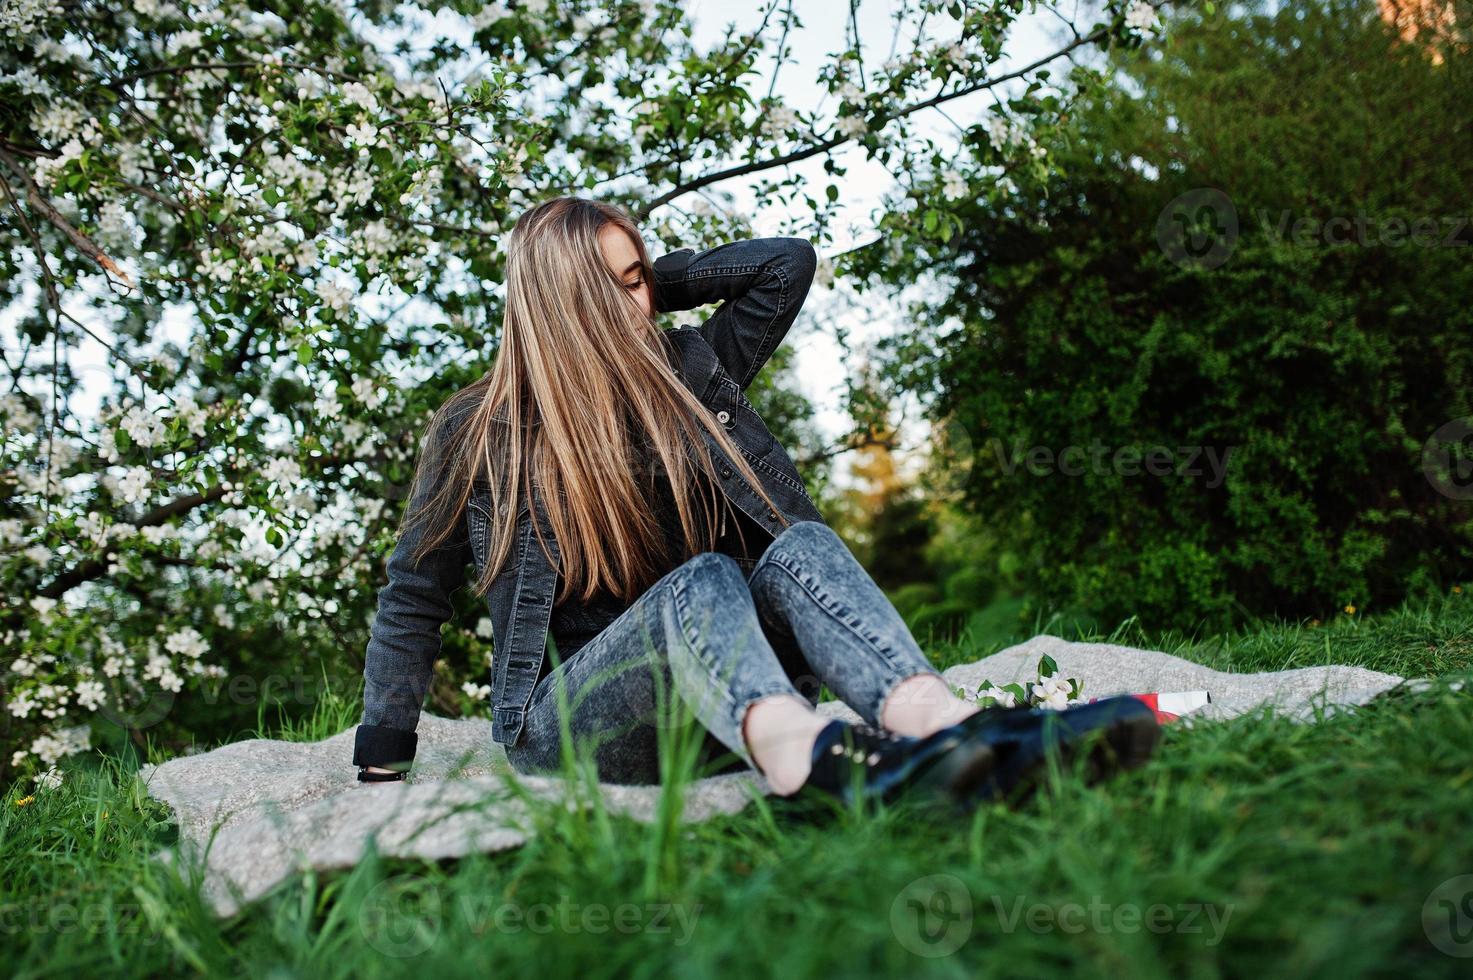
[725, 472]
[723, 416]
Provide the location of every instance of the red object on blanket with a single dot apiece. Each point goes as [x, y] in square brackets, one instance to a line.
[1169, 706]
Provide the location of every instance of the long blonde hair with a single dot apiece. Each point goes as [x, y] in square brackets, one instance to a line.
[581, 375]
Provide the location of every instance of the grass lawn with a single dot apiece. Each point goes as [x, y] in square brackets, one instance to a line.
[1256, 846]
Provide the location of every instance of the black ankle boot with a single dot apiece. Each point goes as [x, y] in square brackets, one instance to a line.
[856, 761]
[1112, 734]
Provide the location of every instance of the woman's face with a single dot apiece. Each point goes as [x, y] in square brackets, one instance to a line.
[623, 260]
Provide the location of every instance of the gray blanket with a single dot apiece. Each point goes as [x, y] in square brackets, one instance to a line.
[251, 813]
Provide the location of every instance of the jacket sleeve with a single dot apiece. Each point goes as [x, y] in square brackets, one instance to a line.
[404, 641]
[762, 283]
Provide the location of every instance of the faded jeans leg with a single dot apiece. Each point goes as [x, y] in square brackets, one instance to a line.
[810, 586]
[694, 634]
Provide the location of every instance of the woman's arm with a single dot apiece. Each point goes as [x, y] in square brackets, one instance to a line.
[763, 282]
[405, 639]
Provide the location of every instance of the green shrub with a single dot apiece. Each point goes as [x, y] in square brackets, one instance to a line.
[1300, 379]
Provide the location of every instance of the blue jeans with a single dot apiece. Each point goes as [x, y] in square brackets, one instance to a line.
[808, 614]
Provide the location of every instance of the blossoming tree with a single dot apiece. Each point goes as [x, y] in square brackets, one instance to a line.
[276, 226]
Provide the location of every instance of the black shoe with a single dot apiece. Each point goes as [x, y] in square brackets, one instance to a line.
[852, 762]
[1116, 733]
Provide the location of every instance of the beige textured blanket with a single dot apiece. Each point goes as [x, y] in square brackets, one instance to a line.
[254, 812]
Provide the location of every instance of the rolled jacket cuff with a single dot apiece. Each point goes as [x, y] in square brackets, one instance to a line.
[376, 745]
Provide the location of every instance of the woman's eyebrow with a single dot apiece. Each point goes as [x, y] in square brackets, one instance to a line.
[631, 267]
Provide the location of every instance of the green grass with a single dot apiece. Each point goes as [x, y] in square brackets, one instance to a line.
[1254, 846]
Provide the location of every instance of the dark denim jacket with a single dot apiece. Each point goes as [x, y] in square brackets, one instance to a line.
[763, 283]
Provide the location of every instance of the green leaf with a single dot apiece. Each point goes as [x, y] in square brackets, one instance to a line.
[304, 353]
[1047, 667]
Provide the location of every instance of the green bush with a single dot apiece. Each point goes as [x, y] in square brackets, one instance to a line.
[1312, 368]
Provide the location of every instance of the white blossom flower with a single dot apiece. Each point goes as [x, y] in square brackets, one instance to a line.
[1140, 15]
[362, 134]
[50, 779]
[953, 185]
[183, 41]
[356, 93]
[27, 81]
[477, 692]
[187, 642]
[327, 404]
[1004, 133]
[483, 628]
[368, 392]
[19, 19]
[188, 411]
[1056, 701]
[285, 470]
[22, 704]
[91, 694]
[132, 486]
[850, 127]
[336, 297]
[779, 120]
[46, 167]
[18, 416]
[1054, 693]
[145, 428]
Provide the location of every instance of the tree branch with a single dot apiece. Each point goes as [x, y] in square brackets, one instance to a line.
[878, 121]
[45, 208]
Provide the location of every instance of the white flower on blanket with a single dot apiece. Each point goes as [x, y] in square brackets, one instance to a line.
[1049, 691]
